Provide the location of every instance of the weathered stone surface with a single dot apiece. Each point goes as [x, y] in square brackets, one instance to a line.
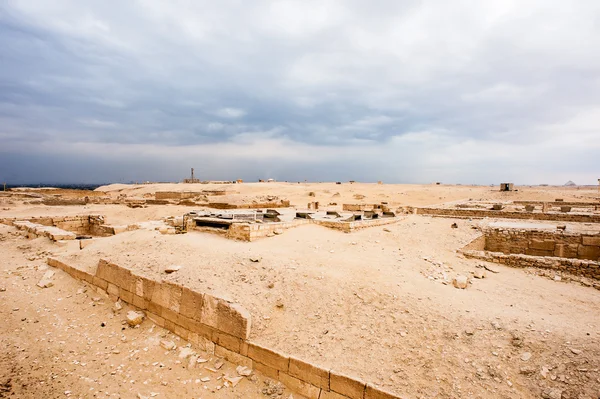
[588, 252]
[233, 319]
[542, 244]
[46, 280]
[268, 357]
[167, 295]
[302, 387]
[309, 372]
[591, 240]
[552, 393]
[378, 393]
[351, 387]
[191, 304]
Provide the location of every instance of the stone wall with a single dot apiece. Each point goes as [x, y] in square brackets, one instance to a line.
[578, 267]
[480, 213]
[80, 225]
[543, 243]
[220, 327]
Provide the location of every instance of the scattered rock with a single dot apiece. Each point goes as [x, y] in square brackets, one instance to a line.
[118, 306]
[496, 325]
[219, 363]
[544, 372]
[517, 340]
[387, 230]
[479, 274]
[278, 231]
[526, 356]
[172, 269]
[469, 332]
[460, 282]
[243, 371]
[186, 352]
[454, 226]
[527, 370]
[46, 281]
[168, 345]
[575, 351]
[552, 393]
[557, 278]
[233, 380]
[134, 318]
[255, 259]
[279, 303]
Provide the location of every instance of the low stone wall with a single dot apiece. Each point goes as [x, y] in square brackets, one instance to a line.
[254, 205]
[543, 243]
[578, 267]
[349, 227]
[81, 225]
[38, 230]
[222, 328]
[559, 203]
[480, 213]
[252, 232]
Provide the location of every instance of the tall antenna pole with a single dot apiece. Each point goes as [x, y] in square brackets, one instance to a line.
[192, 175]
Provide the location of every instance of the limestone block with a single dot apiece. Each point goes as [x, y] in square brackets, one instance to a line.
[331, 395]
[233, 319]
[376, 393]
[309, 372]
[266, 370]
[591, 240]
[543, 245]
[191, 304]
[233, 357]
[351, 387]
[302, 387]
[168, 296]
[229, 342]
[588, 252]
[268, 357]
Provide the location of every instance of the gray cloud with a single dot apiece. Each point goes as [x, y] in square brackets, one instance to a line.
[404, 91]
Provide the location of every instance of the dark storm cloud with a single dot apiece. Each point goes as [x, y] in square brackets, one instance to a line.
[413, 91]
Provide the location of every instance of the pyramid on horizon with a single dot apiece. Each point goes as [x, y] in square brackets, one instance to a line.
[570, 183]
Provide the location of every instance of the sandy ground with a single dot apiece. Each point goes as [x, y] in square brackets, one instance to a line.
[374, 303]
[67, 341]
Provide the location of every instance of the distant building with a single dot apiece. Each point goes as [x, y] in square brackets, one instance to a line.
[507, 186]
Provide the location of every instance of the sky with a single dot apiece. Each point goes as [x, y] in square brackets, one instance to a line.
[403, 91]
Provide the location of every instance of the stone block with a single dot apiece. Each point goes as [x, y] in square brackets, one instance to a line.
[233, 357]
[588, 252]
[566, 250]
[112, 290]
[542, 244]
[107, 271]
[227, 341]
[168, 296]
[99, 282]
[191, 304]
[591, 240]
[376, 393]
[154, 308]
[140, 302]
[302, 387]
[209, 311]
[126, 296]
[351, 387]
[311, 373]
[539, 252]
[233, 319]
[331, 395]
[168, 314]
[268, 357]
[265, 370]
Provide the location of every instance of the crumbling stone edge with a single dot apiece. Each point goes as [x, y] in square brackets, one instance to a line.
[220, 327]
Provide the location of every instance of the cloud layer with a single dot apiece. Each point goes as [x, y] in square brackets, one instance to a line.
[401, 91]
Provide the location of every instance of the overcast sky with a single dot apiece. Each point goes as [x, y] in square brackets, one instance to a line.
[404, 91]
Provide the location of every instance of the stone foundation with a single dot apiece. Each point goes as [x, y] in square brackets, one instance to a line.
[79, 225]
[220, 327]
[480, 213]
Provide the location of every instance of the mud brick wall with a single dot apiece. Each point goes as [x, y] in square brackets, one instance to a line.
[220, 327]
[480, 213]
[578, 267]
[543, 243]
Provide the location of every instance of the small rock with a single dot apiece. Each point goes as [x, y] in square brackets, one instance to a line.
[527, 370]
[278, 232]
[552, 393]
[135, 318]
[387, 230]
[118, 306]
[454, 226]
[233, 380]
[46, 281]
[243, 371]
[172, 269]
[205, 379]
[168, 345]
[526, 356]
[460, 282]
[479, 274]
[186, 352]
[255, 259]
[575, 351]
[219, 363]
[544, 372]
[496, 325]
[279, 303]
[557, 278]
[469, 332]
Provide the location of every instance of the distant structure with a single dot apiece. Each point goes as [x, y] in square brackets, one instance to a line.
[507, 186]
[192, 179]
[570, 184]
